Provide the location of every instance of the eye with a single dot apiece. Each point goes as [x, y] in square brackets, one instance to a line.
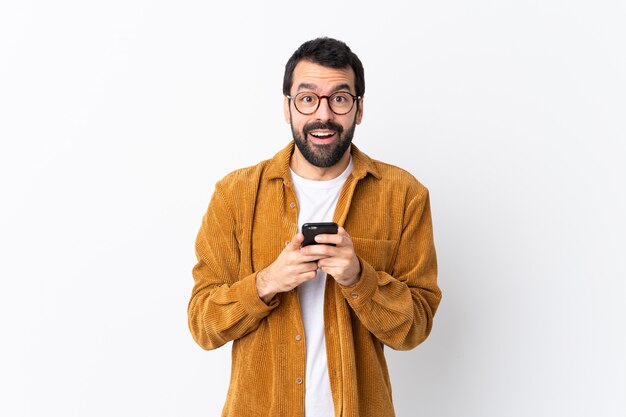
[341, 98]
[307, 98]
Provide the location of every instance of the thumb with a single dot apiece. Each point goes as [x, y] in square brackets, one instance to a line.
[296, 241]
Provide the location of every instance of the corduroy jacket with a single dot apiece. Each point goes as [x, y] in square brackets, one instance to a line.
[252, 213]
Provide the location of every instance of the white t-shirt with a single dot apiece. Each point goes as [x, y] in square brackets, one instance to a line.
[317, 201]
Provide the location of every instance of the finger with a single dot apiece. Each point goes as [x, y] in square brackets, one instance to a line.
[332, 262]
[318, 251]
[307, 276]
[327, 239]
[346, 240]
[337, 240]
[308, 254]
[308, 266]
[296, 241]
[313, 266]
[306, 271]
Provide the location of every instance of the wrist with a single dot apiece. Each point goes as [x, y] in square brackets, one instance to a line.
[352, 283]
[356, 277]
[262, 287]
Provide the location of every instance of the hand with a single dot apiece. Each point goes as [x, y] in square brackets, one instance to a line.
[289, 270]
[340, 261]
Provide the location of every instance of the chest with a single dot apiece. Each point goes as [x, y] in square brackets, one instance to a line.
[371, 217]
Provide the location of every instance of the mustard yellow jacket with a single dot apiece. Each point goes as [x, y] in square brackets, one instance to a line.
[252, 213]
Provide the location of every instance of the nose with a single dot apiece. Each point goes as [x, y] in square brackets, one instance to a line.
[324, 112]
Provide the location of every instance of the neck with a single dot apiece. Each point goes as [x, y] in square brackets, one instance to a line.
[305, 169]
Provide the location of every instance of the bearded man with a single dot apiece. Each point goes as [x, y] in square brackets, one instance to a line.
[309, 323]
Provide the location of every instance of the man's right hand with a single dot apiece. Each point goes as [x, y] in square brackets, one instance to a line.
[289, 270]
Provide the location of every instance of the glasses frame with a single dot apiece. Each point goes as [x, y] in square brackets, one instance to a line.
[355, 99]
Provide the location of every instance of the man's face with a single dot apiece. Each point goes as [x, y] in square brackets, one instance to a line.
[322, 137]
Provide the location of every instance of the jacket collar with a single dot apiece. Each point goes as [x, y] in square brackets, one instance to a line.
[279, 164]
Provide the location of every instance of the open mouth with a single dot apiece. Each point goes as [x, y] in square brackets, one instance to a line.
[323, 134]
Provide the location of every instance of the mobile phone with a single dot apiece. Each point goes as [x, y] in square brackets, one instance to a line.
[310, 230]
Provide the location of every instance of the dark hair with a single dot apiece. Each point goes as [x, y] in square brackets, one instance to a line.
[327, 52]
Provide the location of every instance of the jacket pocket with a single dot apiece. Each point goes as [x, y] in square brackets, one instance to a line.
[378, 253]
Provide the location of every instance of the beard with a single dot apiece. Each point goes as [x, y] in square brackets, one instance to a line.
[323, 156]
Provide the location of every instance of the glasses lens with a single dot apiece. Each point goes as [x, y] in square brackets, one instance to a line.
[341, 102]
[306, 103]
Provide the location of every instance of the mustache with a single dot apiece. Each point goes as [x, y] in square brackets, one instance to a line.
[326, 126]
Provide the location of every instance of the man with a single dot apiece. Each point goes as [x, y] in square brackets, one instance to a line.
[309, 324]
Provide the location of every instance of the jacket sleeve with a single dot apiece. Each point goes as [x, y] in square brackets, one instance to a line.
[398, 307]
[223, 306]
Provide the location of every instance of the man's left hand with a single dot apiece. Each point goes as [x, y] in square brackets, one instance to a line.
[340, 261]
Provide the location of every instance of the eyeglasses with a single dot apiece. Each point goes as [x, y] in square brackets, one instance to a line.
[308, 102]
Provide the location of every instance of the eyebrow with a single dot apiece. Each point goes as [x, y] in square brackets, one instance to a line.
[309, 86]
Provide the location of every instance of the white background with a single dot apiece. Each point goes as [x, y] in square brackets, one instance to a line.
[117, 118]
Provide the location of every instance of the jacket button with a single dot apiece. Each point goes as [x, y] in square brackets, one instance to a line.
[292, 205]
[298, 337]
[354, 295]
[298, 380]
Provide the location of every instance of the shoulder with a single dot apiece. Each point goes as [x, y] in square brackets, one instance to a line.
[243, 178]
[237, 191]
[394, 179]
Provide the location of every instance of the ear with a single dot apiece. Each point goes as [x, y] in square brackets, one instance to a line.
[286, 110]
[359, 112]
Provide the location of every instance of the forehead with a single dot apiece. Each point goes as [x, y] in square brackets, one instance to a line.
[322, 78]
